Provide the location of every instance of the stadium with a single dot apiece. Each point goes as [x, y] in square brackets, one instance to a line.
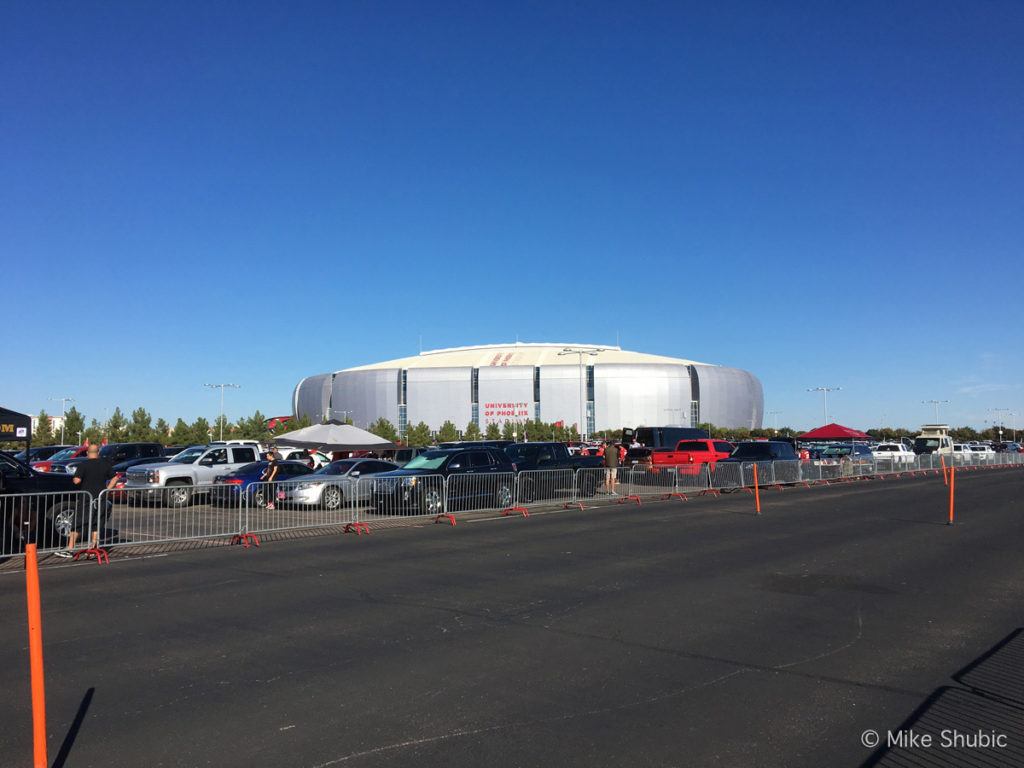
[518, 382]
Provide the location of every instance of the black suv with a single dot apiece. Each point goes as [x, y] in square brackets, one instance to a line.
[762, 450]
[478, 477]
[41, 519]
[117, 453]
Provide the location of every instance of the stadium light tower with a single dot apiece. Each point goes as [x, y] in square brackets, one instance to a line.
[580, 352]
[1001, 421]
[63, 404]
[824, 399]
[775, 420]
[222, 387]
[936, 403]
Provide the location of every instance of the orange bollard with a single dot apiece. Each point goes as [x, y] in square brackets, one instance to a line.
[757, 492]
[945, 477]
[952, 491]
[35, 654]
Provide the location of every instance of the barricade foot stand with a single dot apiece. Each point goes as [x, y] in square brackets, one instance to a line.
[246, 540]
[569, 504]
[101, 555]
[674, 495]
[778, 487]
[443, 516]
[358, 528]
[805, 483]
[631, 497]
[712, 491]
[747, 490]
[513, 510]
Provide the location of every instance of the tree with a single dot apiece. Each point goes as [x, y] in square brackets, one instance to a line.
[94, 434]
[140, 430]
[74, 425]
[493, 431]
[419, 435]
[472, 431]
[162, 430]
[181, 434]
[290, 426]
[116, 427]
[44, 430]
[384, 428]
[199, 431]
[509, 431]
[447, 433]
[221, 428]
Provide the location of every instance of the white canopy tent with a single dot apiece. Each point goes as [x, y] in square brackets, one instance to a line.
[334, 437]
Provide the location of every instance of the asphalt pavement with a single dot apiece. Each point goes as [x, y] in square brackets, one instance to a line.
[666, 634]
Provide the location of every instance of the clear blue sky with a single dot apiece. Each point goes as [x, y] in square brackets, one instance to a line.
[823, 194]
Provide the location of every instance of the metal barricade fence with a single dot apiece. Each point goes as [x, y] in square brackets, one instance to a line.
[590, 484]
[137, 516]
[301, 503]
[473, 492]
[692, 478]
[43, 519]
[765, 473]
[388, 501]
[544, 487]
[725, 476]
[641, 482]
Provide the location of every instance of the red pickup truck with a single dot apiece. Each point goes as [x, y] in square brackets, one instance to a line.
[688, 455]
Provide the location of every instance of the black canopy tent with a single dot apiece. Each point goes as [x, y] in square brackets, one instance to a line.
[16, 427]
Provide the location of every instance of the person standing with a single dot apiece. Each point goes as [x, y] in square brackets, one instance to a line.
[92, 476]
[611, 466]
[269, 476]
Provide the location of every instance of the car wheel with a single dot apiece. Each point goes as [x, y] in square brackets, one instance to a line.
[332, 498]
[178, 494]
[503, 496]
[259, 498]
[62, 518]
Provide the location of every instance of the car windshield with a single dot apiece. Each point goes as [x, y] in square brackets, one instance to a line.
[336, 468]
[67, 453]
[188, 456]
[836, 450]
[428, 460]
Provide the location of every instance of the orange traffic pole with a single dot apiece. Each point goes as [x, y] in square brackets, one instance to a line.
[952, 492]
[945, 477]
[35, 654]
[757, 491]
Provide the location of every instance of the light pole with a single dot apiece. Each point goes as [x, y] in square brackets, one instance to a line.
[775, 420]
[824, 399]
[222, 387]
[1001, 420]
[63, 404]
[936, 403]
[581, 351]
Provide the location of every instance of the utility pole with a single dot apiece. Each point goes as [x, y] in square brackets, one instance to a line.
[580, 352]
[1001, 422]
[63, 404]
[936, 403]
[824, 399]
[775, 420]
[222, 387]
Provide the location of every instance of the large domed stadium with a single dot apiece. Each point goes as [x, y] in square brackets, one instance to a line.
[608, 387]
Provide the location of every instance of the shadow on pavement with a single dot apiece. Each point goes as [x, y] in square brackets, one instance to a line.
[964, 721]
[76, 724]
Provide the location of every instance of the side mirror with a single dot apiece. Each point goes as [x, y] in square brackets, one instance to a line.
[354, 473]
[206, 461]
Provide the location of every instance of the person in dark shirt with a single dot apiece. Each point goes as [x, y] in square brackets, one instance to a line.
[92, 476]
[269, 475]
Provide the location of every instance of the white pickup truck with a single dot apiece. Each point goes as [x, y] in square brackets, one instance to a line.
[897, 453]
[175, 480]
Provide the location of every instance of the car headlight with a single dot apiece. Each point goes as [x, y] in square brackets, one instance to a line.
[153, 477]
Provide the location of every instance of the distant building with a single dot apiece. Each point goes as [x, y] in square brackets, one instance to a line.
[56, 424]
[494, 384]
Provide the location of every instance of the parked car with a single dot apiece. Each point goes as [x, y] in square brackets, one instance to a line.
[662, 437]
[894, 453]
[121, 469]
[982, 452]
[858, 453]
[417, 487]
[476, 444]
[333, 486]
[761, 450]
[401, 456]
[40, 453]
[687, 457]
[232, 485]
[118, 452]
[43, 520]
[177, 478]
[173, 450]
[57, 462]
[527, 457]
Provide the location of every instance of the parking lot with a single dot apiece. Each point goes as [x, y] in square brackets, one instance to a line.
[668, 633]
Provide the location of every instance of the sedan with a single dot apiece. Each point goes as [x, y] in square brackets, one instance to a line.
[332, 486]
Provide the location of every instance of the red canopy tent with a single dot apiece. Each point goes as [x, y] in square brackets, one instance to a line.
[834, 432]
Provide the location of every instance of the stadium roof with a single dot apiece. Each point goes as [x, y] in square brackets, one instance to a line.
[520, 353]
